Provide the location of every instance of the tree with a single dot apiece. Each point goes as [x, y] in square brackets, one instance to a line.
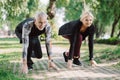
[51, 9]
[73, 8]
[33, 5]
[108, 14]
[17, 10]
[12, 8]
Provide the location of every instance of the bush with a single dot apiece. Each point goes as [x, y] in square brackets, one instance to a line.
[112, 41]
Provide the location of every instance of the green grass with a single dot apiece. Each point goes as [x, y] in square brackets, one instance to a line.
[9, 39]
[9, 45]
[117, 66]
[11, 51]
[6, 70]
[108, 54]
[7, 74]
[103, 53]
[10, 56]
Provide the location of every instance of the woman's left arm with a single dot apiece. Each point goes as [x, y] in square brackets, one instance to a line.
[91, 46]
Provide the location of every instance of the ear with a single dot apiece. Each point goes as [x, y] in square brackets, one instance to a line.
[34, 20]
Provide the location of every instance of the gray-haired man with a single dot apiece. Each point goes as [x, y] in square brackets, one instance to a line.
[28, 32]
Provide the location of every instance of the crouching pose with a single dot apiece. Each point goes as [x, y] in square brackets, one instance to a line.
[76, 31]
[28, 32]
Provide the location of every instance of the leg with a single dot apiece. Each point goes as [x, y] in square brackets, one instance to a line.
[66, 54]
[76, 54]
[29, 61]
[37, 48]
[77, 47]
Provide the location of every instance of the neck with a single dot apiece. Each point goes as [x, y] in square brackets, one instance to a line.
[83, 28]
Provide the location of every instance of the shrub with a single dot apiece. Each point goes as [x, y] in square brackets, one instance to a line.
[112, 41]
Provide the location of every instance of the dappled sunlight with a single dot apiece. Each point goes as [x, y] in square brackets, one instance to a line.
[3, 51]
[108, 63]
[12, 52]
[69, 74]
[15, 61]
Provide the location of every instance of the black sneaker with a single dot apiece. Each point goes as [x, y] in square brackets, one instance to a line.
[65, 57]
[30, 67]
[77, 62]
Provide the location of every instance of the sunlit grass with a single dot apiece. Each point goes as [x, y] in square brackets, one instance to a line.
[11, 50]
[117, 66]
[7, 74]
[10, 56]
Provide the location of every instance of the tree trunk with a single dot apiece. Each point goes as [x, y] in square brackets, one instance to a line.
[113, 28]
[114, 25]
[99, 31]
[118, 34]
[51, 9]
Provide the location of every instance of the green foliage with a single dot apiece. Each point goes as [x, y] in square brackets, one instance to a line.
[73, 8]
[14, 8]
[16, 11]
[112, 41]
[55, 33]
[105, 12]
[33, 6]
[62, 3]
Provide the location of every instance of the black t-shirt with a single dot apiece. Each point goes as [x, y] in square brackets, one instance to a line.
[36, 32]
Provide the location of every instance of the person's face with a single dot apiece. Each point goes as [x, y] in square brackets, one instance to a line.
[40, 22]
[87, 21]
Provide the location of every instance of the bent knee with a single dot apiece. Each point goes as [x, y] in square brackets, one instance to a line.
[39, 57]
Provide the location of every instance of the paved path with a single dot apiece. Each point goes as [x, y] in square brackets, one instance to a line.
[85, 72]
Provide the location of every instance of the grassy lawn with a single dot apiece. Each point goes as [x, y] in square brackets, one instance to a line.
[10, 50]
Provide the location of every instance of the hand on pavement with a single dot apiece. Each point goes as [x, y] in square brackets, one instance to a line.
[24, 66]
[93, 63]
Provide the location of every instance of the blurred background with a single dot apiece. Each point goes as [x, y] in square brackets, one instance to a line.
[107, 35]
[106, 12]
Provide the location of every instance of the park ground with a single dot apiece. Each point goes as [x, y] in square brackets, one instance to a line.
[10, 63]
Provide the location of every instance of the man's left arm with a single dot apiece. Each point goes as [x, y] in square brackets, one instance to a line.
[48, 40]
[25, 40]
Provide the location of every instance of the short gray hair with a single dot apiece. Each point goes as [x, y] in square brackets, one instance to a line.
[40, 14]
